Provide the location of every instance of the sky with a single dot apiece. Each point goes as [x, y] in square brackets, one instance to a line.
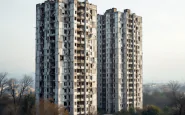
[163, 36]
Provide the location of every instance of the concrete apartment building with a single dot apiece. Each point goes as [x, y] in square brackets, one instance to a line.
[119, 60]
[66, 54]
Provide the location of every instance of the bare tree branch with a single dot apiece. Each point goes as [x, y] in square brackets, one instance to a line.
[25, 83]
[174, 86]
[177, 97]
[45, 107]
[3, 83]
[18, 88]
[12, 88]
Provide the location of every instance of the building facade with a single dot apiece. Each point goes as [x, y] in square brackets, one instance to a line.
[66, 54]
[119, 60]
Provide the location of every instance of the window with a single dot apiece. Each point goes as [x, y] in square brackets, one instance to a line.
[65, 31]
[65, 103]
[61, 57]
[65, 84]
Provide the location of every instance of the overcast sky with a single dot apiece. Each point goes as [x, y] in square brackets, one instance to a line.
[163, 36]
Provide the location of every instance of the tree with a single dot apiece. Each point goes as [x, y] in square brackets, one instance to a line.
[122, 112]
[17, 89]
[167, 110]
[12, 88]
[157, 98]
[27, 105]
[26, 82]
[4, 102]
[11, 109]
[174, 86]
[3, 83]
[177, 97]
[151, 110]
[47, 108]
[130, 111]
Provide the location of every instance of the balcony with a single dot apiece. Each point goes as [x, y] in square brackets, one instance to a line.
[52, 27]
[78, 61]
[79, 113]
[78, 34]
[78, 99]
[82, 23]
[80, 48]
[52, 34]
[80, 11]
[79, 29]
[79, 105]
[80, 92]
[78, 54]
[80, 86]
[81, 5]
[78, 18]
[81, 80]
[79, 74]
[82, 55]
[82, 67]
[82, 17]
[78, 67]
[82, 36]
[78, 22]
[89, 99]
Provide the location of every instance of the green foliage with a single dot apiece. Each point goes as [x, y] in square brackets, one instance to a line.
[167, 110]
[131, 111]
[152, 110]
[160, 99]
[27, 104]
[4, 101]
[100, 111]
[123, 112]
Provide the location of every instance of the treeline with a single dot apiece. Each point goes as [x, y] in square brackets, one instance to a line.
[171, 102]
[15, 98]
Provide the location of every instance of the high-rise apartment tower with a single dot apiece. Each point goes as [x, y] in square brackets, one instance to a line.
[66, 54]
[119, 60]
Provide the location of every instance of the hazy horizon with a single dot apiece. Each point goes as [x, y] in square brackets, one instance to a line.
[163, 36]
